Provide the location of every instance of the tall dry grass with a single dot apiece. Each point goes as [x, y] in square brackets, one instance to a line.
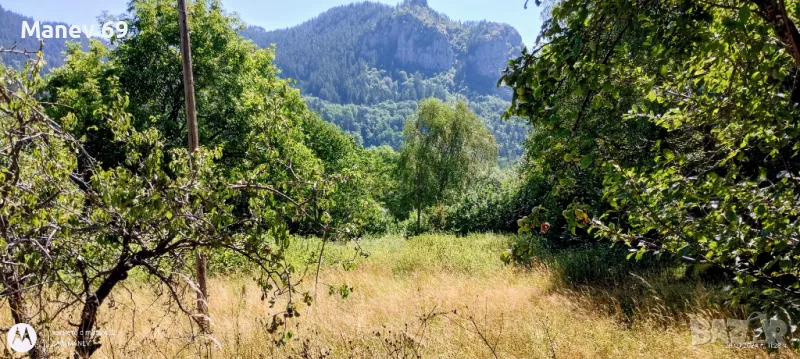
[432, 296]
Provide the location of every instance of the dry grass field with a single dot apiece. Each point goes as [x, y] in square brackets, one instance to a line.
[429, 297]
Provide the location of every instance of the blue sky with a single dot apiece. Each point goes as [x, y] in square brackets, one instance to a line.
[276, 14]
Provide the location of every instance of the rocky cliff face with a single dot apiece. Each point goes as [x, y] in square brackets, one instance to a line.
[488, 54]
[418, 39]
[335, 55]
[405, 42]
[424, 47]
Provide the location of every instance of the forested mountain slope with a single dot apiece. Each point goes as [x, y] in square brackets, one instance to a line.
[11, 36]
[367, 64]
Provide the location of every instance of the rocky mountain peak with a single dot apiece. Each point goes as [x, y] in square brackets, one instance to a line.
[407, 39]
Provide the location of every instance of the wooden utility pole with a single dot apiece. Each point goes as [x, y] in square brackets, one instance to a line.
[188, 78]
[191, 124]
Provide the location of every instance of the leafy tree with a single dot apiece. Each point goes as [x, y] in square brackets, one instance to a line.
[120, 193]
[235, 81]
[38, 199]
[381, 164]
[355, 202]
[237, 88]
[706, 93]
[236, 84]
[446, 149]
[78, 231]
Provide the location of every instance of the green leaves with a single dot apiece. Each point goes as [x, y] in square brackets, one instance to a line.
[586, 161]
[692, 157]
[744, 14]
[652, 95]
[148, 203]
[668, 155]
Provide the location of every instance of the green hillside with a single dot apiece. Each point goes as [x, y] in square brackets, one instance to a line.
[373, 63]
[11, 37]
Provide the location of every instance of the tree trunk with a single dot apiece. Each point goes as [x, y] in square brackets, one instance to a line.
[202, 295]
[86, 343]
[19, 313]
[419, 210]
[774, 12]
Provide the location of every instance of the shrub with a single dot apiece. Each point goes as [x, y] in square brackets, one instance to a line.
[584, 262]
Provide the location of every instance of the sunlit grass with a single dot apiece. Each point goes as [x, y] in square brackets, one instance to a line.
[474, 254]
[476, 307]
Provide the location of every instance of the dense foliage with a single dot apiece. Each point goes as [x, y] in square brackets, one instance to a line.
[73, 233]
[668, 128]
[672, 127]
[98, 184]
[237, 89]
[382, 123]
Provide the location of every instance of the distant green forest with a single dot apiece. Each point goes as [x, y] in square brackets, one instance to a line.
[382, 123]
[10, 37]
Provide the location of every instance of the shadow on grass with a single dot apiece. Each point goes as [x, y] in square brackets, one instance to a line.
[653, 291]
